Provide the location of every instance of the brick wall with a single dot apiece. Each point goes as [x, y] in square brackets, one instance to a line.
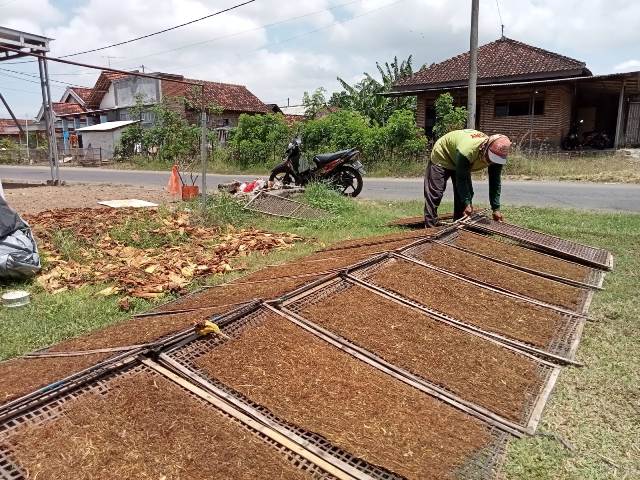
[548, 128]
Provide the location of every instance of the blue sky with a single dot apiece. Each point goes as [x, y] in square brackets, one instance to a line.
[327, 40]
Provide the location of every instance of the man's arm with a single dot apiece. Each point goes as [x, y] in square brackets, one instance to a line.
[463, 179]
[495, 187]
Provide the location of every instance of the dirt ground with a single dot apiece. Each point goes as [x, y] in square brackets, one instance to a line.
[35, 199]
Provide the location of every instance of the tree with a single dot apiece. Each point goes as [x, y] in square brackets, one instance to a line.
[448, 116]
[365, 96]
[315, 102]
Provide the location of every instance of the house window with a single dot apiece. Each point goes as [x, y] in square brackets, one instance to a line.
[148, 118]
[517, 108]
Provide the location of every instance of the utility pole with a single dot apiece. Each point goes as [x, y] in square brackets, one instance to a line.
[473, 65]
[26, 127]
[203, 149]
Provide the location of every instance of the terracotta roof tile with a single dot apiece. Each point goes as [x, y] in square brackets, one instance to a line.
[60, 108]
[8, 126]
[504, 59]
[231, 97]
[83, 93]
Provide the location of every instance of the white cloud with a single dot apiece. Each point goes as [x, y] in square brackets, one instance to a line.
[628, 65]
[284, 60]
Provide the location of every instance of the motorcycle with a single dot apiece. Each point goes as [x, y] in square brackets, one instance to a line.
[340, 169]
[595, 139]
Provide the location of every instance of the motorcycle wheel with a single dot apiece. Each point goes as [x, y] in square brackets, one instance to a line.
[283, 175]
[347, 180]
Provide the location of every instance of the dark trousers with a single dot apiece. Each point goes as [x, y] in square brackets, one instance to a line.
[435, 183]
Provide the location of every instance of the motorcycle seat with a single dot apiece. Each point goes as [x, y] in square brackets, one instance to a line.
[329, 157]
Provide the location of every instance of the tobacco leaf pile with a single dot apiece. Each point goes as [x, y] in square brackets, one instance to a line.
[143, 253]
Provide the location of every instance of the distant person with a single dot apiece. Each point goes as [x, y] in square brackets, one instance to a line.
[455, 155]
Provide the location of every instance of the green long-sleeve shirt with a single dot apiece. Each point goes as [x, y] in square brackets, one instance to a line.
[461, 151]
[464, 186]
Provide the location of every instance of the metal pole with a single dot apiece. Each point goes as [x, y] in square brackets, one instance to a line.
[53, 123]
[473, 65]
[203, 150]
[531, 113]
[46, 112]
[12, 115]
[26, 127]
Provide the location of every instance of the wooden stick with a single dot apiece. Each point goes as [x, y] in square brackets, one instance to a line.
[255, 420]
[79, 353]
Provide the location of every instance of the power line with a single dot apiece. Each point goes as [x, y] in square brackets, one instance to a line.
[36, 76]
[223, 37]
[219, 12]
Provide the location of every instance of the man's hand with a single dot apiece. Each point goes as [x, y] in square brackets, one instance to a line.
[468, 210]
[497, 216]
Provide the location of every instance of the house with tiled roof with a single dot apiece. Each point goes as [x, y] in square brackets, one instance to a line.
[113, 95]
[531, 94]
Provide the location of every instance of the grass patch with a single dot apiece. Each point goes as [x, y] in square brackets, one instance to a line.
[145, 232]
[595, 408]
[222, 210]
[586, 168]
[70, 247]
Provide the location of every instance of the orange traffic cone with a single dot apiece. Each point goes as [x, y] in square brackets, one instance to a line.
[174, 187]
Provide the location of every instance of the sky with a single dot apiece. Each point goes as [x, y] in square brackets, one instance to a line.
[281, 48]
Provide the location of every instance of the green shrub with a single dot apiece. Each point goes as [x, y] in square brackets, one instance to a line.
[448, 116]
[259, 139]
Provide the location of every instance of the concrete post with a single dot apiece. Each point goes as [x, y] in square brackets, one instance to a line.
[47, 119]
[203, 149]
[619, 122]
[53, 141]
[473, 65]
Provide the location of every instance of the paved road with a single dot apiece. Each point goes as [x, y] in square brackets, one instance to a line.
[610, 197]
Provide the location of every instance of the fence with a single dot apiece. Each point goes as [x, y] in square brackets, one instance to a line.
[34, 156]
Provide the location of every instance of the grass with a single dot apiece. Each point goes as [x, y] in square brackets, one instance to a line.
[69, 246]
[595, 409]
[585, 168]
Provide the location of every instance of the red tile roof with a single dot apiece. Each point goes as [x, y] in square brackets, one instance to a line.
[504, 59]
[60, 108]
[236, 98]
[83, 93]
[8, 126]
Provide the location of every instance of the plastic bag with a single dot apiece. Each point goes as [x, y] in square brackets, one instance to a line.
[19, 257]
